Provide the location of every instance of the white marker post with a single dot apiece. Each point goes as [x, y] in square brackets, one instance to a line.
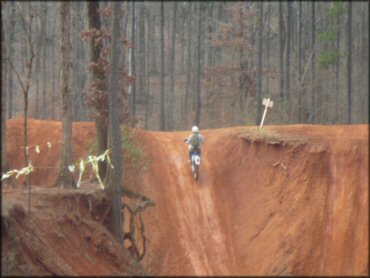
[268, 104]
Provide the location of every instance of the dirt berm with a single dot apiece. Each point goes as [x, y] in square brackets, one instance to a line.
[287, 200]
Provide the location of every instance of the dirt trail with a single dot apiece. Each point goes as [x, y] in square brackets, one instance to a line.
[287, 200]
[195, 216]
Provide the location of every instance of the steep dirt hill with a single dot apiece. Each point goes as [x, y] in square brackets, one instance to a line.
[284, 200]
[287, 200]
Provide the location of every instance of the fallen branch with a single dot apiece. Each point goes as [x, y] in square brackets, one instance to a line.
[134, 195]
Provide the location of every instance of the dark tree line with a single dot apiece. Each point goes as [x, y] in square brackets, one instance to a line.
[209, 63]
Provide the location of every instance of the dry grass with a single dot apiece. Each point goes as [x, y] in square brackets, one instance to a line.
[271, 137]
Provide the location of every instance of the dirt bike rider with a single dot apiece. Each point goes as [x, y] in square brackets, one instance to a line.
[195, 141]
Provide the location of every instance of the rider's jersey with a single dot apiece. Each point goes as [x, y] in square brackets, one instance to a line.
[201, 139]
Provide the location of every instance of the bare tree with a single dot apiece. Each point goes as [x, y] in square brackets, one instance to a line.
[37, 72]
[162, 110]
[281, 49]
[100, 83]
[349, 63]
[79, 55]
[141, 76]
[148, 72]
[313, 41]
[288, 49]
[199, 70]
[11, 57]
[299, 96]
[65, 177]
[172, 61]
[26, 84]
[116, 220]
[53, 61]
[153, 43]
[210, 30]
[268, 48]
[365, 54]
[259, 65]
[188, 63]
[44, 57]
[4, 69]
[337, 68]
[133, 64]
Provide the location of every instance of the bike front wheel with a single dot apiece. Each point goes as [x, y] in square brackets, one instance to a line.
[196, 172]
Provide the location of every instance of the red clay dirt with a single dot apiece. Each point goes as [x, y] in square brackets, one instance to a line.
[287, 200]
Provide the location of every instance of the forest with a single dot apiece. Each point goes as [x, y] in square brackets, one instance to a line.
[209, 63]
[91, 82]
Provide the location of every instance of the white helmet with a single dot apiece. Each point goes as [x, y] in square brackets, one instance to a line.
[195, 129]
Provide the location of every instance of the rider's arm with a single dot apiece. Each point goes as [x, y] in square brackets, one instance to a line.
[188, 140]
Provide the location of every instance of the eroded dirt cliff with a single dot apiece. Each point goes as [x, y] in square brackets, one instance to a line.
[284, 200]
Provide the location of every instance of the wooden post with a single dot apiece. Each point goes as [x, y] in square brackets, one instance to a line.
[268, 104]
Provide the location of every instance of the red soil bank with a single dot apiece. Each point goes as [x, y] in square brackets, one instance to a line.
[286, 200]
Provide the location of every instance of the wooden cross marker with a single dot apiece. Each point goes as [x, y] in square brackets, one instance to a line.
[268, 104]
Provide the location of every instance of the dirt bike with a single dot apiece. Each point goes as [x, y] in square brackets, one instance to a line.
[195, 162]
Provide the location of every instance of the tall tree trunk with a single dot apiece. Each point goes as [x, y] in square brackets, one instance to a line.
[79, 55]
[11, 58]
[281, 49]
[349, 63]
[141, 76]
[259, 65]
[299, 62]
[162, 110]
[98, 74]
[337, 68]
[313, 40]
[243, 69]
[365, 54]
[141, 73]
[126, 12]
[116, 219]
[182, 39]
[188, 63]
[148, 58]
[220, 17]
[54, 62]
[287, 68]
[24, 45]
[37, 75]
[65, 177]
[199, 70]
[4, 72]
[210, 30]
[154, 54]
[252, 35]
[171, 121]
[44, 57]
[168, 26]
[133, 64]
[268, 45]
[28, 30]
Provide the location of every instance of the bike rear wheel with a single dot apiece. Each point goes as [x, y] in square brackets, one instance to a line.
[196, 172]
